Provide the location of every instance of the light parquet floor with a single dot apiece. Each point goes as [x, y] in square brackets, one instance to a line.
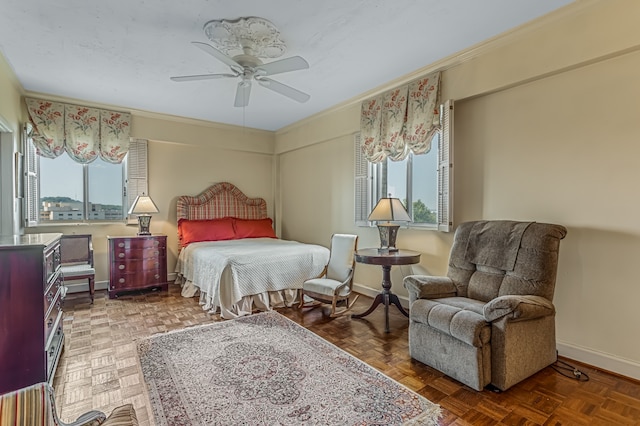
[99, 368]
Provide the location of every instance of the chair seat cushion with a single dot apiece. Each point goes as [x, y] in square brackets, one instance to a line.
[456, 321]
[325, 286]
[472, 305]
[124, 415]
[77, 270]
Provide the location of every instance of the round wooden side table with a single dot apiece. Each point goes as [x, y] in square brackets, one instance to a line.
[372, 256]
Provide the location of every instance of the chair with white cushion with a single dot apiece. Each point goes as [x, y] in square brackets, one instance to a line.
[335, 284]
[76, 257]
[35, 406]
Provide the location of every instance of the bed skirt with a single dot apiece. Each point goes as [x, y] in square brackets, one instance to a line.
[228, 310]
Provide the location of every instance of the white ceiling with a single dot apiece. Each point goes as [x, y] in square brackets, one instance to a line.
[122, 52]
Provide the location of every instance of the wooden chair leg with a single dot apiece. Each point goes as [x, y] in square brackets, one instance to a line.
[333, 307]
[312, 304]
[345, 310]
[91, 288]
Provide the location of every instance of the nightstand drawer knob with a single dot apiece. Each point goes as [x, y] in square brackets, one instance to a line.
[120, 255]
[157, 276]
[120, 245]
[121, 267]
[121, 280]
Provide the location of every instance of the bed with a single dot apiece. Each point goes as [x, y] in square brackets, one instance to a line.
[231, 257]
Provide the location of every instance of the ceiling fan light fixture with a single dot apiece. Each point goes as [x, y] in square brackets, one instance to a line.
[240, 44]
[252, 35]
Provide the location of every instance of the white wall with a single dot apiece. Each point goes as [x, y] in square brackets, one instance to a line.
[10, 92]
[546, 129]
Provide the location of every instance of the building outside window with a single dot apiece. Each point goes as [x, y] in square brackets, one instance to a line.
[61, 190]
[70, 191]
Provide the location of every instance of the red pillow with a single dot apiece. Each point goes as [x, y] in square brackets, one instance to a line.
[193, 231]
[254, 228]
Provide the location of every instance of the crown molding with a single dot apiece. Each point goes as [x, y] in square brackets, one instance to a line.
[456, 59]
[147, 114]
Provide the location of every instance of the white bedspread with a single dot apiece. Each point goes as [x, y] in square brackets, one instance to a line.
[253, 266]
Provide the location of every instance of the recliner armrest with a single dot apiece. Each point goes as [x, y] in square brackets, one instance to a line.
[518, 307]
[428, 287]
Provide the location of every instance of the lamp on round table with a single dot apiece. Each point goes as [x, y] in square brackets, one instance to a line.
[389, 210]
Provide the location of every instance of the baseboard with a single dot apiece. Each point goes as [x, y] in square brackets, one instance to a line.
[372, 292]
[593, 358]
[82, 285]
[601, 360]
[596, 359]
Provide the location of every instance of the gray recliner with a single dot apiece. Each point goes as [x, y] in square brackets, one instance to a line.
[491, 320]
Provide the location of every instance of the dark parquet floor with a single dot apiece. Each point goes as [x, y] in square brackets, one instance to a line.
[99, 369]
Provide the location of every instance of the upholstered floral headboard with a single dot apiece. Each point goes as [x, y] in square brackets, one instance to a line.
[220, 200]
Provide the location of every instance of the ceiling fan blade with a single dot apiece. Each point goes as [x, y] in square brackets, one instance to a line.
[218, 55]
[201, 77]
[242, 94]
[283, 65]
[283, 89]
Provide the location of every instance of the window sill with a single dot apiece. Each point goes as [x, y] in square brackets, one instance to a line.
[425, 227]
[97, 223]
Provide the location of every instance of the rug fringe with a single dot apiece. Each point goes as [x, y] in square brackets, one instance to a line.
[428, 418]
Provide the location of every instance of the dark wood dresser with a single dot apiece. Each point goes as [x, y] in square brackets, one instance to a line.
[31, 336]
[137, 263]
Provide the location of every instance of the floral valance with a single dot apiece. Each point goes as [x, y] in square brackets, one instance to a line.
[401, 120]
[84, 133]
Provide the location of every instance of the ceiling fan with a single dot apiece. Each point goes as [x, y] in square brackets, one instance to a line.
[249, 67]
[256, 38]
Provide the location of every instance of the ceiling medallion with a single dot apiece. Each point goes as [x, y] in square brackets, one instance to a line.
[250, 36]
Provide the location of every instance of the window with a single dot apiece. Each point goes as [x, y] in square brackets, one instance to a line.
[61, 190]
[422, 182]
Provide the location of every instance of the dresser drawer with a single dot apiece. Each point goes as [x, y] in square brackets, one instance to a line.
[138, 279]
[53, 318]
[139, 253]
[138, 243]
[138, 265]
[51, 292]
[54, 348]
[51, 261]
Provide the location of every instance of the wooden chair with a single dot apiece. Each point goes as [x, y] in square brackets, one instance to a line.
[335, 283]
[35, 406]
[76, 257]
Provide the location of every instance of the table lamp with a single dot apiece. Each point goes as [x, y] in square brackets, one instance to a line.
[143, 206]
[389, 210]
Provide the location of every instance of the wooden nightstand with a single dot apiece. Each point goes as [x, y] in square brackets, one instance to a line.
[137, 263]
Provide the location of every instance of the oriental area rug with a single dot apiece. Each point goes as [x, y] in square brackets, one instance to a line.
[265, 369]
